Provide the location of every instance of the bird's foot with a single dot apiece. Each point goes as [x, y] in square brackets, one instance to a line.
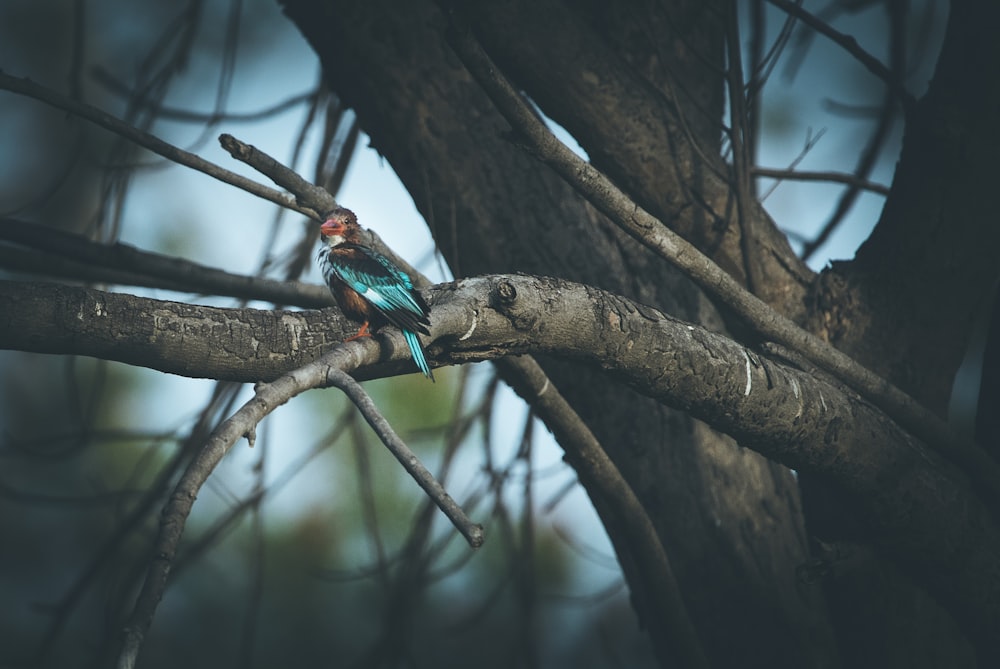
[363, 332]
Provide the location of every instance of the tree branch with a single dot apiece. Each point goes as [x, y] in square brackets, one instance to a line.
[851, 46]
[330, 369]
[472, 532]
[922, 511]
[833, 177]
[308, 196]
[764, 320]
[743, 148]
[660, 602]
[30, 89]
[126, 265]
[107, 79]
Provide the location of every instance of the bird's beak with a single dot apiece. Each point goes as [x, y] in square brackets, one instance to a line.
[329, 228]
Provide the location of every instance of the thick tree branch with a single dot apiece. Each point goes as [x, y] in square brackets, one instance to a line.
[921, 509]
[660, 598]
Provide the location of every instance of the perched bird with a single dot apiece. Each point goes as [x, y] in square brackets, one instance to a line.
[368, 287]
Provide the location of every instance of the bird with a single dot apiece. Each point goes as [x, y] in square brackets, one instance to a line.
[368, 287]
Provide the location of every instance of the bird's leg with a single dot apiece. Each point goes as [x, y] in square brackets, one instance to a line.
[363, 332]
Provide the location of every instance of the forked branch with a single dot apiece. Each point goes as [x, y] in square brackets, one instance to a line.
[330, 369]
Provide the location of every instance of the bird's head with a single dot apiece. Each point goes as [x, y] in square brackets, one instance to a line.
[340, 225]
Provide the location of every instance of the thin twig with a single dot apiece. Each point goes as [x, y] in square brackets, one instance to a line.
[105, 78]
[228, 522]
[472, 532]
[742, 143]
[851, 46]
[832, 177]
[873, 149]
[308, 195]
[768, 323]
[811, 141]
[30, 89]
[129, 524]
[251, 609]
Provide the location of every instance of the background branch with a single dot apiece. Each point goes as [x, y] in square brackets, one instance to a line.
[126, 265]
[851, 46]
[30, 89]
[659, 602]
[832, 177]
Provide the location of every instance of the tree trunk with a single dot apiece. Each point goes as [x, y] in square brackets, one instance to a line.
[729, 520]
[904, 308]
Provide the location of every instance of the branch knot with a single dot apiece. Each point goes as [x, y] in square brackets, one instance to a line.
[505, 293]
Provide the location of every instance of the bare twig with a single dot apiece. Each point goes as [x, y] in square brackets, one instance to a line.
[873, 149]
[764, 64]
[130, 523]
[765, 321]
[30, 89]
[251, 609]
[832, 177]
[308, 196]
[525, 575]
[313, 197]
[105, 78]
[367, 499]
[472, 532]
[851, 46]
[228, 522]
[811, 141]
[743, 147]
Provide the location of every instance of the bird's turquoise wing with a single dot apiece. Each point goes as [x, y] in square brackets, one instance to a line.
[381, 284]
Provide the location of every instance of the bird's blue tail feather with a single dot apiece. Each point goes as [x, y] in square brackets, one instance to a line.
[417, 352]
